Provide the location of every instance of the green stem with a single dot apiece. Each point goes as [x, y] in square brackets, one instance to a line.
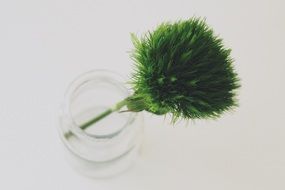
[95, 119]
[107, 112]
[117, 107]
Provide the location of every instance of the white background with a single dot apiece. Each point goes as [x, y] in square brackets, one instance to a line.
[45, 44]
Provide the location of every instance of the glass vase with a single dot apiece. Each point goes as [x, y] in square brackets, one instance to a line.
[109, 146]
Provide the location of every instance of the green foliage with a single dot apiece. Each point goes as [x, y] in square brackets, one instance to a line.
[182, 68]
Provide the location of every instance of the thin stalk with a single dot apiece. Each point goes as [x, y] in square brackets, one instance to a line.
[107, 112]
[117, 107]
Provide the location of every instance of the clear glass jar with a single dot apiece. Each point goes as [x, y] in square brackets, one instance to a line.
[109, 146]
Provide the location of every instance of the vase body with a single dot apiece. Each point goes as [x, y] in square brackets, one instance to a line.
[112, 144]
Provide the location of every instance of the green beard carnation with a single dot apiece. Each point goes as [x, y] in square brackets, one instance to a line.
[183, 69]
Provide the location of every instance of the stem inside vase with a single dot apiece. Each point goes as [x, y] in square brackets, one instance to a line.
[117, 107]
[104, 114]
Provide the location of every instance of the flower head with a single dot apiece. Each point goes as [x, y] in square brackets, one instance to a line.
[183, 69]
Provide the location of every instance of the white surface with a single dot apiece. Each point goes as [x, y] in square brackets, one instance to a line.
[45, 44]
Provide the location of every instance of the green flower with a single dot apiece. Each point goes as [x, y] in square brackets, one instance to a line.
[183, 69]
